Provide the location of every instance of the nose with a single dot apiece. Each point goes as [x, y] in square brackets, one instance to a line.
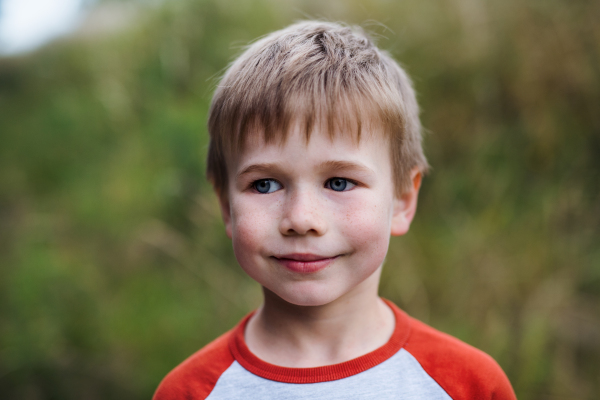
[302, 215]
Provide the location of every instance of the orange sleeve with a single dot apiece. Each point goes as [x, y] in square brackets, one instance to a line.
[463, 371]
[196, 377]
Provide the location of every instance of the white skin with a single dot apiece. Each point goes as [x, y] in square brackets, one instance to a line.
[311, 222]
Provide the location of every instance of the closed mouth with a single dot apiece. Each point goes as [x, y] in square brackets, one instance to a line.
[304, 263]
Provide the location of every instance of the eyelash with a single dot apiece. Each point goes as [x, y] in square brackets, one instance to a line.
[254, 185]
[351, 182]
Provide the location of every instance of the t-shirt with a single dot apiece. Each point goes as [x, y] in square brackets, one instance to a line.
[418, 362]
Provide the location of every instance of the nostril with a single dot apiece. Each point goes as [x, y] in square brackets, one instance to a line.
[300, 217]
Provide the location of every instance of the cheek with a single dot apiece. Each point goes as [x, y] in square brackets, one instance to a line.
[367, 227]
[249, 226]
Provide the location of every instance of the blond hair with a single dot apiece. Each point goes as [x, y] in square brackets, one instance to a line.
[314, 73]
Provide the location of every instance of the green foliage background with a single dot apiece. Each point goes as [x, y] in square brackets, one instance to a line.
[114, 265]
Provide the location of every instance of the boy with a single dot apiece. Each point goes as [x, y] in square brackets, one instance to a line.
[316, 158]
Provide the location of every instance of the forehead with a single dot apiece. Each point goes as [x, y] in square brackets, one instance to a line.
[297, 150]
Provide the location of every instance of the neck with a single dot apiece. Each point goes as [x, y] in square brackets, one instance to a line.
[289, 335]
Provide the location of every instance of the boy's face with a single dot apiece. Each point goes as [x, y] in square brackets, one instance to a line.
[311, 222]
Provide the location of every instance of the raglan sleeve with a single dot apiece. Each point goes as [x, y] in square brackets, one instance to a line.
[196, 377]
[464, 372]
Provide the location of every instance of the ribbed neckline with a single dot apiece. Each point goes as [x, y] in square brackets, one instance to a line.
[249, 361]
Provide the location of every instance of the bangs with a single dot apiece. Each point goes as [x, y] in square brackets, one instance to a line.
[318, 105]
[274, 89]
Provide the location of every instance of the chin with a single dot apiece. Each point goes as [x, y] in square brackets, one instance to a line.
[308, 295]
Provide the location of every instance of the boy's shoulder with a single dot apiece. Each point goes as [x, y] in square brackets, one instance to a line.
[460, 370]
[196, 377]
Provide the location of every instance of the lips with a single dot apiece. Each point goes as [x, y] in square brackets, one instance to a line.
[304, 263]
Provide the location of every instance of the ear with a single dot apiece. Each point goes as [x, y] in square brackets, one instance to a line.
[405, 205]
[226, 213]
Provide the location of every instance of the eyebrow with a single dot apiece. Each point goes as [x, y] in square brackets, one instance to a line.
[345, 166]
[266, 167]
[332, 165]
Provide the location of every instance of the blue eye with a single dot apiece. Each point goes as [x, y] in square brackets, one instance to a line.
[339, 184]
[265, 186]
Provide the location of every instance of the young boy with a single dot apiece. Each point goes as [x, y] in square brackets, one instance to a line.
[316, 158]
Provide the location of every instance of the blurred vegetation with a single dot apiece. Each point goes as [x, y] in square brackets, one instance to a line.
[114, 265]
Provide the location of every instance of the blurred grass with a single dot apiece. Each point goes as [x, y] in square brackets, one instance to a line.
[114, 265]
